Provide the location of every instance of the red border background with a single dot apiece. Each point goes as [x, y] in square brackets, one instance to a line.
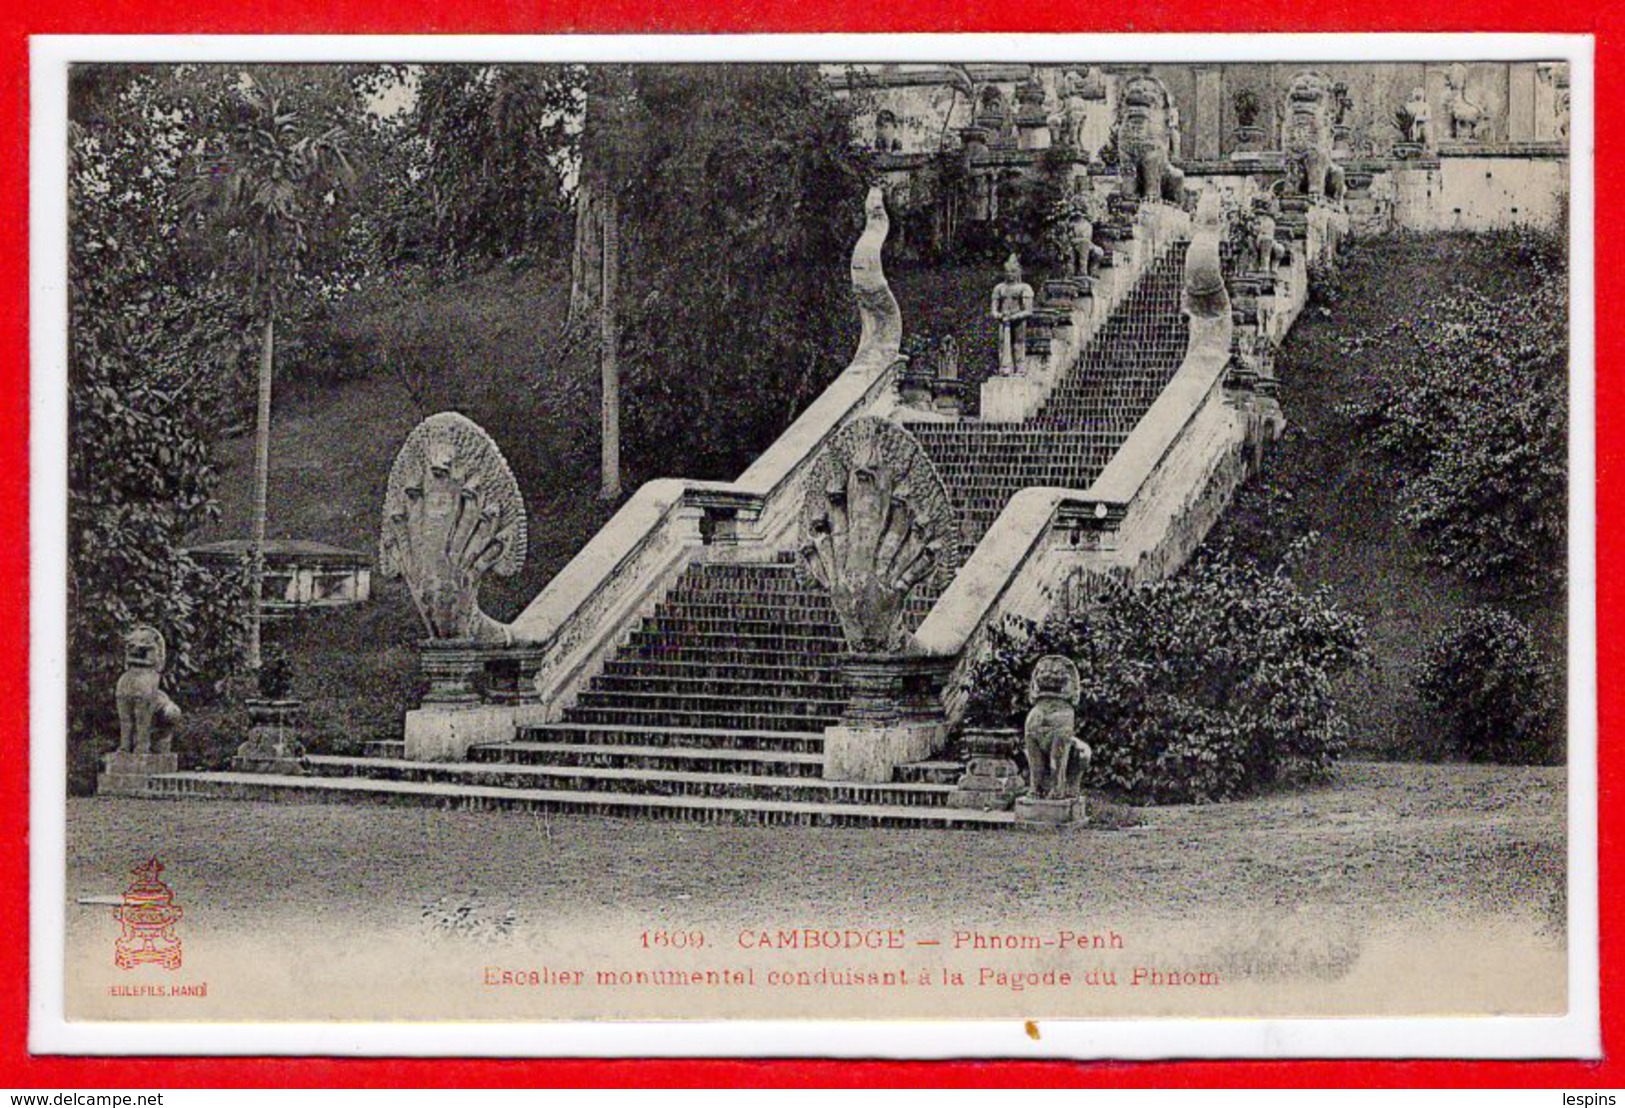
[20, 18]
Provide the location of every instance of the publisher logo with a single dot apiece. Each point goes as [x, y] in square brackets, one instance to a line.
[148, 917]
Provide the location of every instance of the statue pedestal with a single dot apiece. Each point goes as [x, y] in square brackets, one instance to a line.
[273, 744]
[444, 732]
[1041, 811]
[992, 780]
[893, 716]
[127, 774]
[475, 692]
[1007, 399]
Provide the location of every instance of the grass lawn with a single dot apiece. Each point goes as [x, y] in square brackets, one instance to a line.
[1319, 888]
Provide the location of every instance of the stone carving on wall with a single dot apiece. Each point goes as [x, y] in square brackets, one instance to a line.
[1146, 132]
[886, 131]
[875, 525]
[1467, 116]
[1011, 307]
[1264, 250]
[1416, 120]
[1307, 136]
[452, 514]
[145, 711]
[1082, 255]
[1056, 759]
[1074, 110]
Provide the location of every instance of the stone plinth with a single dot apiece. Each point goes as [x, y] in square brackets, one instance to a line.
[893, 716]
[992, 780]
[474, 692]
[510, 675]
[451, 667]
[125, 773]
[1043, 812]
[1007, 399]
[443, 733]
[273, 744]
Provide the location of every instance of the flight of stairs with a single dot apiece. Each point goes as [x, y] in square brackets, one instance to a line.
[714, 708]
[1092, 410]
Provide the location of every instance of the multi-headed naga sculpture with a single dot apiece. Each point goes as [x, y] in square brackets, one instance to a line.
[876, 524]
[452, 514]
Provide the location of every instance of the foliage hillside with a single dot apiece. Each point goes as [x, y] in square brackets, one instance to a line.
[1377, 554]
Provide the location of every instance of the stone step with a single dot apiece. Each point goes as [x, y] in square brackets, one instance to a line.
[348, 790]
[664, 719]
[715, 738]
[759, 636]
[724, 651]
[931, 773]
[384, 748]
[805, 621]
[683, 700]
[686, 758]
[725, 687]
[708, 671]
[648, 782]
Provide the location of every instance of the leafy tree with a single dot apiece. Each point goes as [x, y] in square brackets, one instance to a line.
[1207, 686]
[488, 149]
[267, 183]
[151, 347]
[739, 195]
[1492, 684]
[1472, 408]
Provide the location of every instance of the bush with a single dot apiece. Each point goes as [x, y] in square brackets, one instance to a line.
[1208, 686]
[1471, 406]
[1499, 696]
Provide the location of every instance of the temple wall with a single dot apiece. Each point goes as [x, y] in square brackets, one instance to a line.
[1520, 101]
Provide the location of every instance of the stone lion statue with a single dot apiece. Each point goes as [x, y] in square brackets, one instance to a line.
[145, 711]
[1056, 759]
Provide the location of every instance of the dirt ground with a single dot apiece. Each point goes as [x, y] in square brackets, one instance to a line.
[1307, 888]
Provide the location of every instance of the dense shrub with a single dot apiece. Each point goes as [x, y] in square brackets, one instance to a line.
[1499, 695]
[1471, 406]
[152, 355]
[1204, 687]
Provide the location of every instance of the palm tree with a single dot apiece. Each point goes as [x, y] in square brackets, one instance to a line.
[267, 180]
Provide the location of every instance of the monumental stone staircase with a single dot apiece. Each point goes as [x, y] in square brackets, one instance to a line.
[1092, 410]
[714, 708]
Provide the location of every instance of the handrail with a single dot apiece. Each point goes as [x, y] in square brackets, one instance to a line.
[657, 506]
[976, 596]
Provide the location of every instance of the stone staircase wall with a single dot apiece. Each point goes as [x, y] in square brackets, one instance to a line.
[1146, 512]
